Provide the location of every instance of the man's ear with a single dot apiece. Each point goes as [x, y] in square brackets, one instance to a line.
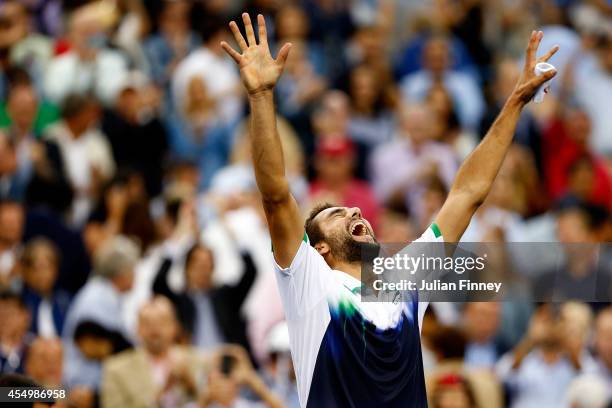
[322, 248]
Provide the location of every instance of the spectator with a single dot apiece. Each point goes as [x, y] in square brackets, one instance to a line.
[580, 276]
[18, 225]
[453, 391]
[603, 346]
[95, 344]
[85, 152]
[23, 118]
[480, 324]
[508, 200]
[304, 78]
[593, 90]
[278, 371]
[158, 372]
[198, 134]
[14, 336]
[25, 114]
[542, 365]
[369, 46]
[448, 345]
[209, 316]
[570, 164]
[89, 66]
[467, 22]
[138, 223]
[218, 74]
[402, 167]
[39, 166]
[331, 120]
[12, 219]
[11, 184]
[292, 25]
[132, 24]
[232, 374]
[395, 225]
[31, 167]
[371, 121]
[335, 181]
[577, 321]
[119, 199]
[135, 131]
[49, 304]
[410, 58]
[239, 229]
[74, 261]
[99, 301]
[447, 127]
[300, 89]
[330, 26]
[20, 45]
[436, 68]
[44, 362]
[172, 42]
[240, 171]
[430, 202]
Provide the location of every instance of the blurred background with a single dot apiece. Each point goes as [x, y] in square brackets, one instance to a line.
[133, 249]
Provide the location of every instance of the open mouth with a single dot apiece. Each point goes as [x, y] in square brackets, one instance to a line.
[358, 229]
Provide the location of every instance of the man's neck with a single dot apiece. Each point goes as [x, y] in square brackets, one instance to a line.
[350, 268]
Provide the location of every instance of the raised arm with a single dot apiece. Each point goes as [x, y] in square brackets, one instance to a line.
[260, 72]
[477, 173]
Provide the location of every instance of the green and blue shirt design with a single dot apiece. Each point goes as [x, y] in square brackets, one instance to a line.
[349, 353]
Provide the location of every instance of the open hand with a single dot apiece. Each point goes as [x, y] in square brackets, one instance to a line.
[259, 71]
[529, 83]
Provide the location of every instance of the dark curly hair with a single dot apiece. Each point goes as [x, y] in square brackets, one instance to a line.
[315, 235]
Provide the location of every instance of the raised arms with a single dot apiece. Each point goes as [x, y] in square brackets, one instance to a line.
[475, 176]
[260, 72]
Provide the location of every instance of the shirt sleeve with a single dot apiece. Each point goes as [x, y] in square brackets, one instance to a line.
[431, 234]
[304, 284]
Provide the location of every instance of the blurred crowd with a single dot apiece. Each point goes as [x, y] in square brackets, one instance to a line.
[135, 266]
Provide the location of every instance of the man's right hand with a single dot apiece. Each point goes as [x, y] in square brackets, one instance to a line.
[259, 71]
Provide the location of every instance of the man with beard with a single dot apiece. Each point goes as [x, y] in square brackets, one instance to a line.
[349, 353]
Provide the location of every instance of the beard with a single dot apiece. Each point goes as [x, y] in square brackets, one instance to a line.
[346, 249]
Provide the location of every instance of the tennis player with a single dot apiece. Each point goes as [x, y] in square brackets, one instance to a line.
[349, 353]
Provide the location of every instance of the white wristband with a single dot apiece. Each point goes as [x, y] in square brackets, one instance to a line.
[541, 68]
